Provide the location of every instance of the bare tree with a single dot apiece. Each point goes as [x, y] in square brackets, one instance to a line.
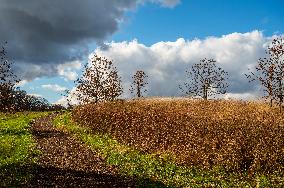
[113, 88]
[139, 83]
[67, 94]
[265, 74]
[8, 81]
[205, 79]
[269, 71]
[99, 82]
[276, 56]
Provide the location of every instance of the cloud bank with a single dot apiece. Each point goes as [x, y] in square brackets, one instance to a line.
[42, 34]
[166, 62]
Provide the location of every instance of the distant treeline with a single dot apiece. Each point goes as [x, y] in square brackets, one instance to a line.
[13, 99]
[18, 100]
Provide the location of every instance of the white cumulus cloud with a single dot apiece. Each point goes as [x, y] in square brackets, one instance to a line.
[68, 70]
[22, 83]
[166, 62]
[35, 95]
[71, 99]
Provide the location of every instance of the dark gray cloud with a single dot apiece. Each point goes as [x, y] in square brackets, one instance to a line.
[55, 31]
[52, 32]
[44, 33]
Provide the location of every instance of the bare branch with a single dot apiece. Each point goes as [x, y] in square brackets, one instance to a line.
[205, 79]
[269, 71]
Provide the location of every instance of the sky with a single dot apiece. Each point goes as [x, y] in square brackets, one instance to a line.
[50, 42]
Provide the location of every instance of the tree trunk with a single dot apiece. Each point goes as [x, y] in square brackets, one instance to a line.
[280, 96]
[138, 91]
[280, 102]
[205, 92]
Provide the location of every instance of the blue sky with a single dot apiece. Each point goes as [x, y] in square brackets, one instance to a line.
[152, 23]
[200, 19]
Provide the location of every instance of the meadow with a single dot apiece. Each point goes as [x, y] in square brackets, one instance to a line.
[225, 142]
[160, 142]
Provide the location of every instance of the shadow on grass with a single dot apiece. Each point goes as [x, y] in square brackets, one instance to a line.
[38, 176]
[69, 178]
[15, 175]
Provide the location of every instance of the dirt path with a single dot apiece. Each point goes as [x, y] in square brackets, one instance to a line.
[66, 162]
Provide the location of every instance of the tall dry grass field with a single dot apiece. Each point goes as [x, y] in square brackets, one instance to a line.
[238, 136]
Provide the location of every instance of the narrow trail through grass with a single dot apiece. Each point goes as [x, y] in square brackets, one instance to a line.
[67, 162]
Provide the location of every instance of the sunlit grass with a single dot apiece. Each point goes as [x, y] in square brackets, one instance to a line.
[17, 148]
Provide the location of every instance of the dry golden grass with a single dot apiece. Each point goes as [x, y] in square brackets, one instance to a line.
[236, 135]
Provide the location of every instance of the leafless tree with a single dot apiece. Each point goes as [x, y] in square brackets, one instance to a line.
[139, 83]
[205, 79]
[8, 81]
[269, 71]
[99, 82]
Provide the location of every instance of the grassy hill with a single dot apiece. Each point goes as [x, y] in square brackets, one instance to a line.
[227, 141]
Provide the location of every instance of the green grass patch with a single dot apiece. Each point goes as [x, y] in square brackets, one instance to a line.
[162, 167]
[17, 148]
